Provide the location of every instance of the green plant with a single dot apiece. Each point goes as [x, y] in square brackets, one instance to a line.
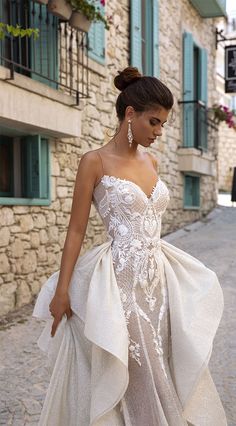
[90, 10]
[223, 113]
[17, 31]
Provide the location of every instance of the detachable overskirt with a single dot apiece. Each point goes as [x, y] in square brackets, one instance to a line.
[89, 352]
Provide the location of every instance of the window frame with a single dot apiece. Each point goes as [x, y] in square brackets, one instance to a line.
[45, 168]
[194, 136]
[97, 31]
[151, 54]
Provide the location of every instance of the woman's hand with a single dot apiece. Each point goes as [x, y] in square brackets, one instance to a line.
[59, 306]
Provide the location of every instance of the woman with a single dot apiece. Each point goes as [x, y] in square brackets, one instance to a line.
[133, 320]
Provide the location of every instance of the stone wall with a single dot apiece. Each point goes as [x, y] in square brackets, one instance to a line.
[227, 157]
[32, 237]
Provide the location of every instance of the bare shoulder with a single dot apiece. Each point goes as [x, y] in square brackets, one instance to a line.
[91, 165]
[153, 159]
[90, 158]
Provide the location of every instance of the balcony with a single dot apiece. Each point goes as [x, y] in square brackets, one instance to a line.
[43, 80]
[198, 129]
[210, 8]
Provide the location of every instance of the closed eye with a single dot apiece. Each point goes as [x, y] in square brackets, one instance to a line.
[155, 122]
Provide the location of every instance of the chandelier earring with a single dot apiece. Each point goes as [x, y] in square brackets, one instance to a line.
[130, 134]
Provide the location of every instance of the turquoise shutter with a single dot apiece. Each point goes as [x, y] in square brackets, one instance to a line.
[96, 39]
[6, 167]
[44, 50]
[188, 109]
[203, 98]
[35, 165]
[31, 166]
[147, 42]
[204, 76]
[191, 191]
[136, 34]
[156, 61]
[44, 169]
[188, 191]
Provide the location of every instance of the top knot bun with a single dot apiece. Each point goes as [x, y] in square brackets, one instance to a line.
[126, 77]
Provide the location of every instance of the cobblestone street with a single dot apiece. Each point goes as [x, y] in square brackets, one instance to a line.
[24, 377]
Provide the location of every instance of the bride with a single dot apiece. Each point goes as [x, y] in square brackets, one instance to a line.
[130, 324]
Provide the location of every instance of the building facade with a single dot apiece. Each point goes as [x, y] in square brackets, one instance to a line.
[57, 102]
[227, 136]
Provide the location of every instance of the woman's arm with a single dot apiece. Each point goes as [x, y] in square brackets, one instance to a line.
[86, 178]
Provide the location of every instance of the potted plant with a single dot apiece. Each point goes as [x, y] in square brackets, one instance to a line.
[60, 8]
[17, 31]
[85, 12]
[223, 113]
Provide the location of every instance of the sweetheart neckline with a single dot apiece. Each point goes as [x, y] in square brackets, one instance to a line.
[148, 197]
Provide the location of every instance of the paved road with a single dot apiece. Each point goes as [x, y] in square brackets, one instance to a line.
[214, 243]
[24, 377]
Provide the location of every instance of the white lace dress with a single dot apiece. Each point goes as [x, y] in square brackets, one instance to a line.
[136, 349]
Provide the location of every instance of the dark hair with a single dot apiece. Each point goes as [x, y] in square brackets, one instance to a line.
[140, 92]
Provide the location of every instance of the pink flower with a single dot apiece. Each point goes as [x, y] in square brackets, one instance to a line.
[102, 2]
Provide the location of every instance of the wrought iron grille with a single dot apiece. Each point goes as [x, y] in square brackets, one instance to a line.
[197, 124]
[58, 58]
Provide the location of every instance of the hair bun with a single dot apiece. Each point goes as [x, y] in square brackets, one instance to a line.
[126, 77]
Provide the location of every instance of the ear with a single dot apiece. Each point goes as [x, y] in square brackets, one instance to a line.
[129, 113]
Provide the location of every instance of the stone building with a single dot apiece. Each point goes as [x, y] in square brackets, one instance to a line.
[227, 136]
[57, 102]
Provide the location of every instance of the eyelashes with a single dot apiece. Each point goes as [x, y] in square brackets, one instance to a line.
[154, 123]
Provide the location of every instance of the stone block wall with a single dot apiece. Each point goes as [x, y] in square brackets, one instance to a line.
[227, 157]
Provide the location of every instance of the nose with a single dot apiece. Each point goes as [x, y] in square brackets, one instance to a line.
[158, 133]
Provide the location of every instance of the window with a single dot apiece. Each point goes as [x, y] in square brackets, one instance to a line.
[37, 59]
[191, 192]
[96, 39]
[144, 36]
[24, 170]
[233, 103]
[194, 94]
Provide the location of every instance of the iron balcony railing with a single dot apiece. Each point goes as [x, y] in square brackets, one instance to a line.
[197, 124]
[58, 58]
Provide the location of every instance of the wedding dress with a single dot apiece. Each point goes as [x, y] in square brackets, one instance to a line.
[136, 350]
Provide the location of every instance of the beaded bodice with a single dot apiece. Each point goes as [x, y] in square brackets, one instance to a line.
[133, 222]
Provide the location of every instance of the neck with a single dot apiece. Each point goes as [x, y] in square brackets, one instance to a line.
[122, 145]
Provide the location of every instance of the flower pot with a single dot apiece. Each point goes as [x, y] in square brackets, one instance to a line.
[41, 1]
[60, 8]
[79, 21]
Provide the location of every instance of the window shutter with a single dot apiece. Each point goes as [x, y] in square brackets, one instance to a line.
[31, 166]
[191, 191]
[204, 75]
[188, 109]
[44, 169]
[35, 164]
[44, 50]
[136, 34]
[156, 62]
[6, 167]
[96, 38]
[203, 98]
[188, 191]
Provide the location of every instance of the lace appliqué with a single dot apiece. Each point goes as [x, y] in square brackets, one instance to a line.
[133, 221]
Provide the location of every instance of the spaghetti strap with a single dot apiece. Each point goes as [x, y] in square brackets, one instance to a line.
[99, 155]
